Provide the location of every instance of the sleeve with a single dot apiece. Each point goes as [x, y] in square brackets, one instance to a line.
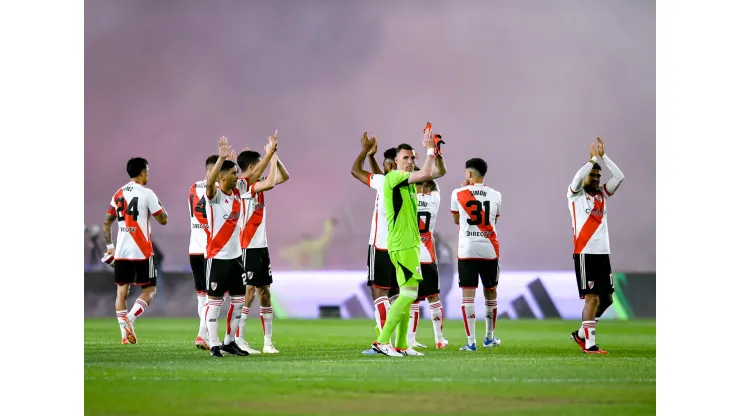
[397, 178]
[576, 185]
[617, 176]
[454, 206]
[376, 181]
[153, 203]
[112, 206]
[498, 209]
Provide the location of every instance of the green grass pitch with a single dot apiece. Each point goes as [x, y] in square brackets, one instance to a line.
[537, 370]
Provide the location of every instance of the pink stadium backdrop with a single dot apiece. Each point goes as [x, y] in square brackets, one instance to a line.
[517, 83]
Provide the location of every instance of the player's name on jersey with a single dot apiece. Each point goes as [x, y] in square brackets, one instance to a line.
[478, 233]
[478, 192]
[423, 204]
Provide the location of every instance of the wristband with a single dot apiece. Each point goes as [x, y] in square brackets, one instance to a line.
[430, 152]
[109, 246]
[594, 159]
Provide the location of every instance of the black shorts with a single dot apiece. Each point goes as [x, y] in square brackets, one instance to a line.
[469, 270]
[381, 272]
[430, 285]
[198, 266]
[257, 266]
[225, 276]
[593, 274]
[138, 272]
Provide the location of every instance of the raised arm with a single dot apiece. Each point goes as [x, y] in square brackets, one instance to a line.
[270, 182]
[577, 183]
[425, 173]
[439, 169]
[224, 151]
[374, 167]
[617, 175]
[282, 173]
[256, 173]
[358, 170]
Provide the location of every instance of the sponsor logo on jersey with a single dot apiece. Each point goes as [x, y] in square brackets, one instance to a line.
[232, 217]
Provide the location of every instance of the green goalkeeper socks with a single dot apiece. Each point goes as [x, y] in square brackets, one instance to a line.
[398, 316]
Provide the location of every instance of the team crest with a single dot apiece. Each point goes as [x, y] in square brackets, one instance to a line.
[214, 285]
[418, 269]
[250, 275]
[591, 284]
[598, 198]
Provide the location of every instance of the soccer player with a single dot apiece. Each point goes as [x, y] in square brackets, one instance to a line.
[380, 270]
[404, 241]
[198, 238]
[255, 254]
[587, 204]
[224, 270]
[427, 194]
[133, 253]
[476, 208]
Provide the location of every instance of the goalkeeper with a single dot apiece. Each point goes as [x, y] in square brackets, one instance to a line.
[403, 236]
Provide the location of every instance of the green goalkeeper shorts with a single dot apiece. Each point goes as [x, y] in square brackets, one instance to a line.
[408, 266]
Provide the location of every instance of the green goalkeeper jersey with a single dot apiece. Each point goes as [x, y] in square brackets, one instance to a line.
[400, 208]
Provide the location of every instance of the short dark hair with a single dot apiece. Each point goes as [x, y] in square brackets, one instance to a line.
[390, 153]
[212, 159]
[432, 184]
[135, 166]
[477, 164]
[596, 166]
[227, 165]
[416, 168]
[246, 158]
[403, 146]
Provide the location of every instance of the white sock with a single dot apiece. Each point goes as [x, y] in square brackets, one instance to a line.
[242, 323]
[413, 323]
[214, 309]
[382, 306]
[138, 310]
[233, 318]
[589, 330]
[201, 296]
[201, 315]
[266, 317]
[438, 320]
[121, 322]
[468, 310]
[491, 312]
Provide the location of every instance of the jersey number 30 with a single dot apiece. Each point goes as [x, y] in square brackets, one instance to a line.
[424, 225]
[132, 210]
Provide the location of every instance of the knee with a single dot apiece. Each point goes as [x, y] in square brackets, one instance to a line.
[592, 300]
[149, 293]
[249, 295]
[410, 291]
[264, 294]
